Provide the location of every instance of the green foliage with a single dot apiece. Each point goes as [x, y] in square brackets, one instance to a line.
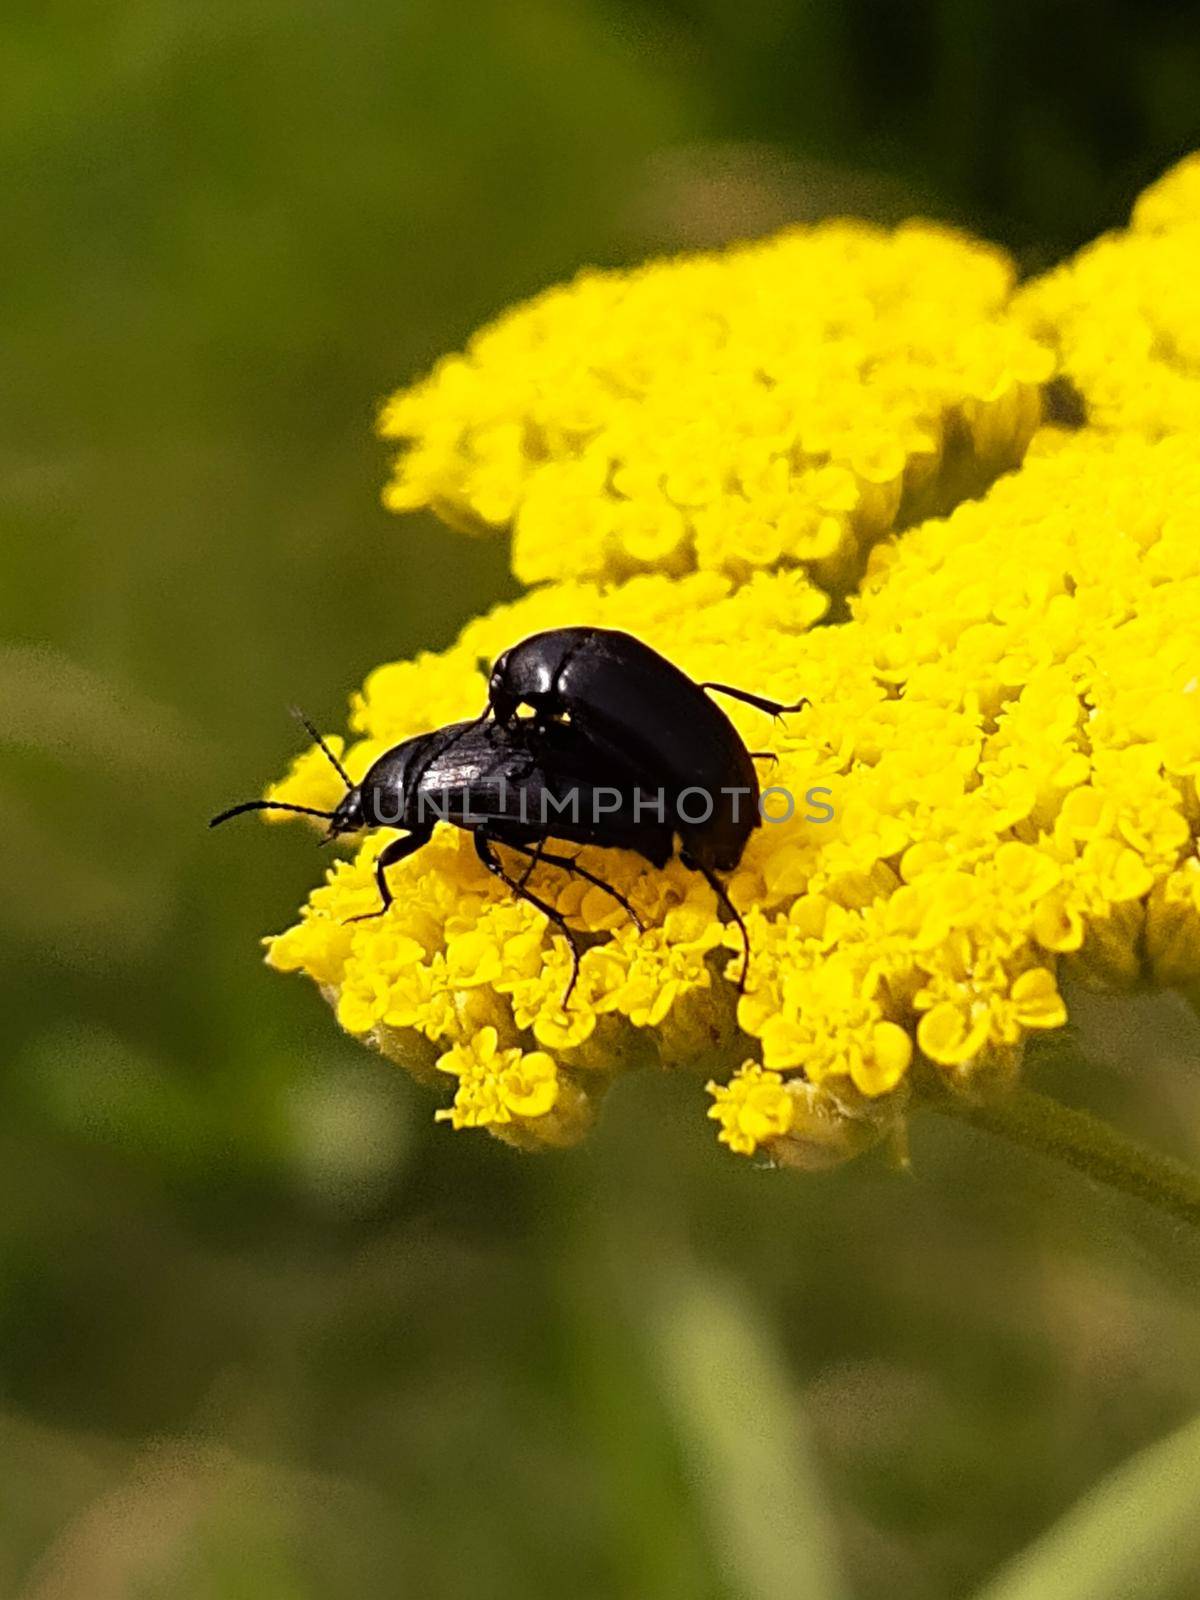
[1135, 1534]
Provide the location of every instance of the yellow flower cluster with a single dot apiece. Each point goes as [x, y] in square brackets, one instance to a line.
[1008, 731]
[1124, 314]
[1007, 728]
[783, 404]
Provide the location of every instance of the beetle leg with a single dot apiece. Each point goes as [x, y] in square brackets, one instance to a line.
[773, 708]
[571, 865]
[722, 894]
[535, 855]
[485, 849]
[388, 857]
[764, 755]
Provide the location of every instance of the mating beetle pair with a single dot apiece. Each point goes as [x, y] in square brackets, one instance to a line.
[618, 738]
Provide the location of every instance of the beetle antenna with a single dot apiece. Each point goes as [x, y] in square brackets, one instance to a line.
[313, 734]
[269, 805]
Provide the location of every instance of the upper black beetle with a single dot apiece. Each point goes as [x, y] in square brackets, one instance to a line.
[646, 717]
[515, 786]
[652, 723]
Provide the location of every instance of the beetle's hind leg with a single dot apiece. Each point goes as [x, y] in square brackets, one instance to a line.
[485, 849]
[722, 894]
[773, 708]
[571, 865]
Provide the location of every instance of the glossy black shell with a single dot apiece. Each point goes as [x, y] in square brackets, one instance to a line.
[527, 783]
[647, 721]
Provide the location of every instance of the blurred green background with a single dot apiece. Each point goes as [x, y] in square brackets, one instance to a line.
[265, 1331]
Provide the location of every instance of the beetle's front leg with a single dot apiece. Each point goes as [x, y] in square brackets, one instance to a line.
[391, 853]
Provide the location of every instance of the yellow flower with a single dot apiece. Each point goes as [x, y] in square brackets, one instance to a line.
[754, 1108]
[829, 1023]
[786, 401]
[494, 1085]
[1124, 314]
[1172, 199]
[979, 1011]
[994, 786]
[797, 1124]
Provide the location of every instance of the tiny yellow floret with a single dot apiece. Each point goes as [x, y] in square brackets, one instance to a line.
[753, 1108]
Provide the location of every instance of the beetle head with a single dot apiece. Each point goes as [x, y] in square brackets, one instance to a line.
[347, 816]
[528, 673]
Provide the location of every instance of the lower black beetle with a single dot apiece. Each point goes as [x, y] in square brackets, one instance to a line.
[610, 714]
[649, 720]
[514, 786]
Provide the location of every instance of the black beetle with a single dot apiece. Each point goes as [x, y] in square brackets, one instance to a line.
[516, 786]
[646, 717]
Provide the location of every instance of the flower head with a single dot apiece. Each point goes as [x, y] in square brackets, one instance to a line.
[1124, 314]
[1003, 735]
[783, 403]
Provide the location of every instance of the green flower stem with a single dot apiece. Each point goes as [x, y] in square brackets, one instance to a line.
[1036, 1122]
